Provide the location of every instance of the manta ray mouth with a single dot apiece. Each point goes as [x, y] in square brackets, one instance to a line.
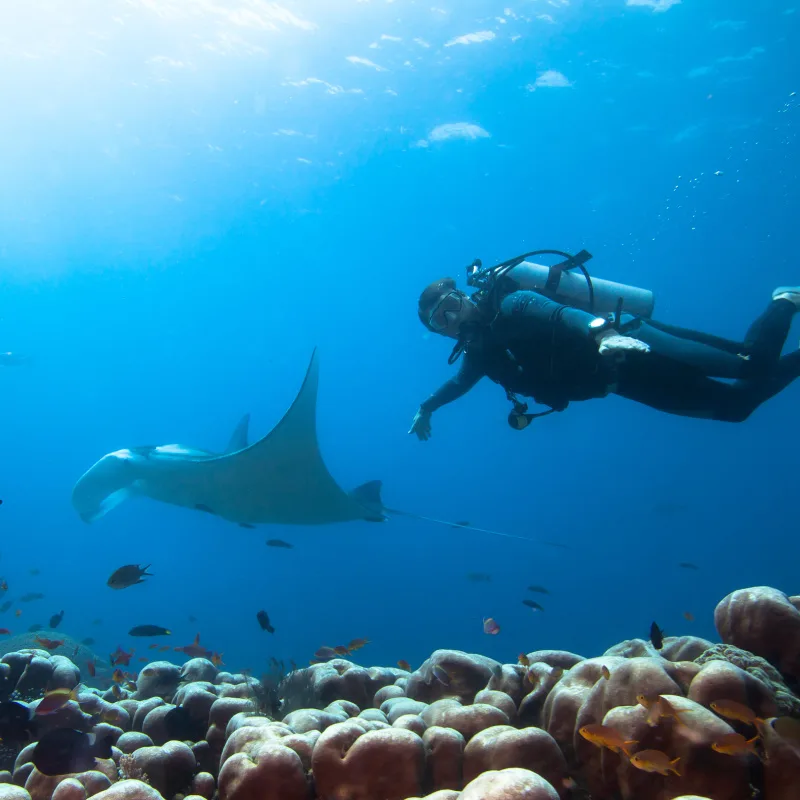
[107, 484]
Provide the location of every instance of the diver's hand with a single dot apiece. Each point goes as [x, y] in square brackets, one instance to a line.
[421, 425]
[616, 345]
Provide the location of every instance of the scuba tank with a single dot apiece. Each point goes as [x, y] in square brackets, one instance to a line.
[559, 283]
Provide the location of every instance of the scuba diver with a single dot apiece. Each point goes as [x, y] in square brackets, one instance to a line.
[557, 337]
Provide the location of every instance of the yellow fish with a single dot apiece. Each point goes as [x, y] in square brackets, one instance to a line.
[655, 761]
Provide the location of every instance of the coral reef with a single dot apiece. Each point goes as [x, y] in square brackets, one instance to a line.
[691, 720]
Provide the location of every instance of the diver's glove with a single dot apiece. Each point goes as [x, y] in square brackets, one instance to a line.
[616, 345]
[421, 425]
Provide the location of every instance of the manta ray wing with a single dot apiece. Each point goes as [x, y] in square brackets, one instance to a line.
[281, 478]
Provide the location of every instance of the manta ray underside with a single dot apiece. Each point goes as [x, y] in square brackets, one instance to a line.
[279, 479]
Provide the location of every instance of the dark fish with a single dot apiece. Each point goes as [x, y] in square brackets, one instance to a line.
[539, 589]
[35, 627]
[5, 606]
[688, 565]
[55, 620]
[479, 577]
[192, 618]
[263, 621]
[532, 604]
[129, 575]
[325, 654]
[149, 630]
[560, 545]
[34, 571]
[27, 598]
[201, 507]
[656, 636]
[182, 727]
[462, 523]
[66, 750]
[279, 543]
[88, 641]
[97, 621]
[15, 722]
[247, 525]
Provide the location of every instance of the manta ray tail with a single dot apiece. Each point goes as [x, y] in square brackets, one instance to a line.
[368, 495]
[239, 437]
[460, 524]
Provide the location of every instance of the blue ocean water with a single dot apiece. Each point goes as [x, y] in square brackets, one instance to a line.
[197, 194]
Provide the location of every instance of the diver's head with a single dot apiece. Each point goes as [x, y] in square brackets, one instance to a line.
[444, 309]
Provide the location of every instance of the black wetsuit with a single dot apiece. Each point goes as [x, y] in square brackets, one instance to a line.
[536, 347]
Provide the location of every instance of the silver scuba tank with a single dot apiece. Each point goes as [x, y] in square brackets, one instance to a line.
[572, 289]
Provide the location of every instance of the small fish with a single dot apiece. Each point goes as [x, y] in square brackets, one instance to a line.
[49, 644]
[118, 676]
[441, 675]
[117, 692]
[31, 596]
[55, 620]
[279, 543]
[688, 616]
[153, 646]
[91, 668]
[263, 621]
[34, 571]
[18, 612]
[357, 644]
[403, 664]
[734, 744]
[216, 659]
[88, 641]
[559, 545]
[5, 632]
[608, 737]
[341, 650]
[15, 722]
[164, 648]
[129, 575]
[194, 650]
[97, 621]
[5, 606]
[247, 525]
[192, 618]
[325, 654]
[462, 523]
[688, 565]
[66, 750]
[532, 604]
[656, 636]
[538, 589]
[35, 627]
[606, 672]
[479, 577]
[659, 708]
[3, 585]
[733, 710]
[55, 700]
[655, 761]
[149, 630]
[523, 659]
[119, 656]
[490, 626]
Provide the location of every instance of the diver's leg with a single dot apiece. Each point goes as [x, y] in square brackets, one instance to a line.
[678, 388]
[766, 337]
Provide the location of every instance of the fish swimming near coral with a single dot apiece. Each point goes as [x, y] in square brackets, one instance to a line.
[280, 479]
[127, 576]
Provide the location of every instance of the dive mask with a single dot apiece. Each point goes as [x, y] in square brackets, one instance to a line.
[446, 311]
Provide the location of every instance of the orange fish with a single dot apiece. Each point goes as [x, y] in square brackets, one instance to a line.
[341, 650]
[118, 676]
[688, 616]
[91, 668]
[5, 632]
[733, 710]
[657, 708]
[119, 656]
[49, 644]
[734, 744]
[55, 700]
[164, 648]
[357, 644]
[116, 691]
[194, 650]
[655, 761]
[404, 665]
[524, 660]
[606, 736]
[153, 646]
[216, 659]
[606, 672]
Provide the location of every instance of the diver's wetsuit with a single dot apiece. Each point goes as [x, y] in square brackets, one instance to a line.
[536, 347]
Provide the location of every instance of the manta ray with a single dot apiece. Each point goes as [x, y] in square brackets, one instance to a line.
[280, 479]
